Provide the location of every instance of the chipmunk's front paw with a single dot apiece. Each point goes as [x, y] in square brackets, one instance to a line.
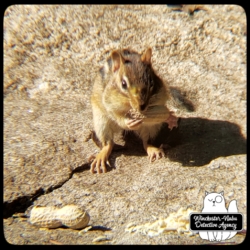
[172, 121]
[133, 124]
[99, 163]
[155, 153]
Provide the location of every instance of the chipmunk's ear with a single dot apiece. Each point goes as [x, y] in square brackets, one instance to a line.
[146, 56]
[117, 60]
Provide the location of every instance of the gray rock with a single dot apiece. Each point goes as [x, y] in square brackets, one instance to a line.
[51, 54]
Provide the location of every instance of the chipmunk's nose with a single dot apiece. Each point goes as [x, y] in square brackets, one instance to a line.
[142, 107]
[140, 98]
[143, 99]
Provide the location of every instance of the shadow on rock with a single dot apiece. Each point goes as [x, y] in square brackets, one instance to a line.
[203, 140]
[195, 142]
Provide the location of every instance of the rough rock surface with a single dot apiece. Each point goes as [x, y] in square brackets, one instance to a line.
[51, 55]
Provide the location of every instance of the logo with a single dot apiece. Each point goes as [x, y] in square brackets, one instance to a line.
[216, 222]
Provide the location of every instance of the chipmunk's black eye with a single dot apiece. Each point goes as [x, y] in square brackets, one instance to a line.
[124, 84]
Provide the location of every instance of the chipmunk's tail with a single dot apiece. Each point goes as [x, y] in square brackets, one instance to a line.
[178, 101]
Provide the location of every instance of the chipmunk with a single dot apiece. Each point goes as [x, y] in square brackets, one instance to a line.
[127, 82]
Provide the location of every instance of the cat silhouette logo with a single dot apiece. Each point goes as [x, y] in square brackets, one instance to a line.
[216, 222]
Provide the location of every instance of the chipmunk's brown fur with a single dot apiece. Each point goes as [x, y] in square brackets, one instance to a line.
[126, 82]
